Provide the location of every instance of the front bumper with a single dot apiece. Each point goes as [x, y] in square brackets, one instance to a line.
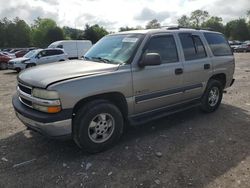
[15, 66]
[52, 125]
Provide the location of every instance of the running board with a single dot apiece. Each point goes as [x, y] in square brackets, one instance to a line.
[159, 113]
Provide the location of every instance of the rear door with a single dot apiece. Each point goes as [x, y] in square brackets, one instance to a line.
[159, 86]
[197, 64]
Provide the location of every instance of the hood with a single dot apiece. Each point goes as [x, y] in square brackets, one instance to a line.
[43, 75]
[19, 59]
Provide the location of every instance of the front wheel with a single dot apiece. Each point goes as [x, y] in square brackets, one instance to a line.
[212, 97]
[97, 126]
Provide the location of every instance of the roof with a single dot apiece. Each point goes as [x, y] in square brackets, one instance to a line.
[166, 29]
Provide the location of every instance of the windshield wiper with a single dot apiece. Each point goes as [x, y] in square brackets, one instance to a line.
[101, 59]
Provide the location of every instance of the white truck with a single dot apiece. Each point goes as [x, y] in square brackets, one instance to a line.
[75, 49]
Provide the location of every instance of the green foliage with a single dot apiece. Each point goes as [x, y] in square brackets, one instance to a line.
[14, 33]
[214, 23]
[153, 24]
[237, 29]
[74, 34]
[126, 29]
[94, 33]
[184, 21]
[40, 31]
[198, 17]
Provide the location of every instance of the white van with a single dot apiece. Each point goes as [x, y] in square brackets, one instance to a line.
[74, 48]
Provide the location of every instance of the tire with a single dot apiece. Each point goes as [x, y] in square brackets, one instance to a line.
[62, 60]
[30, 65]
[18, 70]
[3, 66]
[97, 126]
[212, 97]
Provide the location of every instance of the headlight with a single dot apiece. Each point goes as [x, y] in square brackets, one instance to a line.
[48, 96]
[45, 94]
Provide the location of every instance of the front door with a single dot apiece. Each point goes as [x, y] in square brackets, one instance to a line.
[160, 85]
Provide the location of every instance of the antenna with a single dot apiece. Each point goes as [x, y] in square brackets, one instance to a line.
[76, 41]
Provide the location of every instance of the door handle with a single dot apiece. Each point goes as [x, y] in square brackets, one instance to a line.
[206, 66]
[178, 71]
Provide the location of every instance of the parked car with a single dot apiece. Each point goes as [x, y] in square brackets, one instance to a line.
[22, 52]
[235, 44]
[4, 59]
[133, 77]
[243, 48]
[37, 57]
[74, 48]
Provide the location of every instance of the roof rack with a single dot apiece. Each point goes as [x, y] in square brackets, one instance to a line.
[180, 27]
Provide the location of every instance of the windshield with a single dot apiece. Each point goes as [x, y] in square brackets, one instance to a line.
[114, 49]
[31, 53]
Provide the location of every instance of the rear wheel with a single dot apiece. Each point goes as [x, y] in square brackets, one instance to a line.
[97, 126]
[3, 66]
[212, 97]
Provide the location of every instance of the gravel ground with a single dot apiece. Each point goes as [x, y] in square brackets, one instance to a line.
[188, 149]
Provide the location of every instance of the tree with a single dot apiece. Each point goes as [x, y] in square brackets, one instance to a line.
[237, 30]
[94, 32]
[127, 28]
[214, 23]
[72, 33]
[40, 30]
[184, 21]
[198, 17]
[153, 24]
[54, 34]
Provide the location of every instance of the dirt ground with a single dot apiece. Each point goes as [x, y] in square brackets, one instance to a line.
[188, 149]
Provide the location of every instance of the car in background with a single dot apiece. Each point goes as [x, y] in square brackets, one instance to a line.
[4, 59]
[22, 52]
[245, 47]
[74, 48]
[234, 44]
[37, 57]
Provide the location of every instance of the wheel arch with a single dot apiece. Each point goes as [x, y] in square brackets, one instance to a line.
[115, 98]
[221, 77]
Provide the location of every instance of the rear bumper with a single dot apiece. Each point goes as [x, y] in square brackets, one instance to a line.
[51, 125]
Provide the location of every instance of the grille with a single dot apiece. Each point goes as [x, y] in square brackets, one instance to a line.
[25, 89]
[26, 102]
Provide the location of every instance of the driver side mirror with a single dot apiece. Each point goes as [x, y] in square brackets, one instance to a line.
[150, 59]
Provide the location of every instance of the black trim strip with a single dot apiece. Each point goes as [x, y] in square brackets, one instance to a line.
[166, 92]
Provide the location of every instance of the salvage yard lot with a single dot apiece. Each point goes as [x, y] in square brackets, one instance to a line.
[188, 149]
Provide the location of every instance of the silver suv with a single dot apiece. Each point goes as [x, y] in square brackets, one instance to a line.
[126, 78]
[37, 57]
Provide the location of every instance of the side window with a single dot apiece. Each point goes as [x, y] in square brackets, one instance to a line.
[165, 46]
[44, 53]
[52, 52]
[58, 52]
[218, 44]
[192, 46]
[60, 46]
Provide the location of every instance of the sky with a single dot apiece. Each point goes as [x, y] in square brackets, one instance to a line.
[113, 14]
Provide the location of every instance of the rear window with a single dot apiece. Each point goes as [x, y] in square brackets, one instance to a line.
[218, 44]
[193, 47]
